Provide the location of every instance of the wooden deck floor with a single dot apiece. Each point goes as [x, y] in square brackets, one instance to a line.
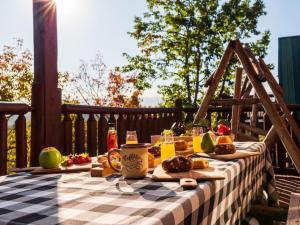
[285, 186]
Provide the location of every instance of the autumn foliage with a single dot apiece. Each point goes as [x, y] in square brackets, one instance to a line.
[15, 73]
[90, 85]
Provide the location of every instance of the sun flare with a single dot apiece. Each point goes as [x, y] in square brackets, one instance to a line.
[67, 7]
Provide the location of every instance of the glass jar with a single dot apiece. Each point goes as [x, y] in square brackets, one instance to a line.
[167, 148]
[197, 138]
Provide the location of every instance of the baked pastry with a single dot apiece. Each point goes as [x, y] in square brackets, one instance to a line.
[177, 164]
[224, 139]
[200, 163]
[223, 149]
[150, 160]
[180, 145]
[101, 158]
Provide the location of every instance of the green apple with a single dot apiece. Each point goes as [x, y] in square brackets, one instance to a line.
[50, 158]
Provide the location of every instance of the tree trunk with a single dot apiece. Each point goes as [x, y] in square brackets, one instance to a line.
[197, 61]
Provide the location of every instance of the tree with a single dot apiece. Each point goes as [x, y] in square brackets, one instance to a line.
[92, 86]
[182, 41]
[15, 73]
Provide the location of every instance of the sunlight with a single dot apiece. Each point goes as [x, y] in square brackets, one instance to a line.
[67, 7]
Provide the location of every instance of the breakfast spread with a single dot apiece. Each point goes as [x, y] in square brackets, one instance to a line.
[178, 155]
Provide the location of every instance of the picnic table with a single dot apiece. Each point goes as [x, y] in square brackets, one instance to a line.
[78, 198]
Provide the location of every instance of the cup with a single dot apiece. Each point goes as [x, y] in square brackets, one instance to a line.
[134, 160]
[131, 137]
[197, 137]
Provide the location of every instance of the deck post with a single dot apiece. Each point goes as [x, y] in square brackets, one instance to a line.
[46, 96]
[178, 106]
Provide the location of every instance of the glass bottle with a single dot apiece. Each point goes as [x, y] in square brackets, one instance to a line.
[197, 137]
[167, 148]
[112, 137]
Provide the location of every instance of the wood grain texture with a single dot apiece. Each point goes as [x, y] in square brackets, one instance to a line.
[92, 135]
[237, 94]
[21, 141]
[283, 133]
[46, 96]
[205, 174]
[67, 134]
[79, 134]
[294, 210]
[214, 84]
[3, 144]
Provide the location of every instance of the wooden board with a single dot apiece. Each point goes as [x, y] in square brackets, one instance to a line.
[70, 169]
[237, 155]
[205, 174]
[25, 169]
[294, 210]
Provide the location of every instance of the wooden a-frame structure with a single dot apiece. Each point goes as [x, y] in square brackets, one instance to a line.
[256, 72]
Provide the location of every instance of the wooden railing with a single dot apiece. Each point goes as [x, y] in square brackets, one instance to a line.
[281, 161]
[8, 110]
[85, 127]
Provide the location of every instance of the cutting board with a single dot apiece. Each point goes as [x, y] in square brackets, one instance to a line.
[204, 174]
[237, 155]
[70, 169]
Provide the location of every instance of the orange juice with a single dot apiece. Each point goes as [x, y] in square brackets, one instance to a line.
[131, 142]
[197, 143]
[167, 150]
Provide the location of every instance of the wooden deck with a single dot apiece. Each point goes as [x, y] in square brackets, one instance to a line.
[285, 186]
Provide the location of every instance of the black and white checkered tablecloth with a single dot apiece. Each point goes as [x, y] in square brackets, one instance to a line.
[80, 199]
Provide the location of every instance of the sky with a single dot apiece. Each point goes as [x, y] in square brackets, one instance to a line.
[88, 27]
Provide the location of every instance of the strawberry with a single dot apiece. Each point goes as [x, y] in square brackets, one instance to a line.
[88, 158]
[223, 129]
[80, 160]
[69, 162]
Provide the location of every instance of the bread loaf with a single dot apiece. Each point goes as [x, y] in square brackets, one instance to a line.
[223, 149]
[177, 164]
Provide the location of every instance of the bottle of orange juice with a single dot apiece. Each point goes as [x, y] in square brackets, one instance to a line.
[197, 136]
[167, 148]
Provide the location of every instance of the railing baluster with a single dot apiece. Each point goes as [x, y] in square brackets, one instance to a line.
[92, 135]
[3, 144]
[102, 134]
[144, 128]
[155, 124]
[79, 134]
[131, 122]
[161, 123]
[138, 127]
[21, 142]
[171, 121]
[150, 125]
[67, 133]
[121, 129]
